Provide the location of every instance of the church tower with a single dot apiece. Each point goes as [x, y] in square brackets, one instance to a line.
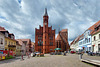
[45, 32]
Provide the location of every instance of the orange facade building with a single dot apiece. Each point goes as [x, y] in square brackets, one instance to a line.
[45, 37]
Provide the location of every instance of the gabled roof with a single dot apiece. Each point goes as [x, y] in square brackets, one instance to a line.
[94, 32]
[72, 42]
[28, 40]
[2, 29]
[76, 39]
[58, 37]
[92, 28]
[19, 41]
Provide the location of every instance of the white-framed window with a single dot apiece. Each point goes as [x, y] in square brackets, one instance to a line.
[1, 40]
[12, 37]
[99, 36]
[6, 42]
[94, 38]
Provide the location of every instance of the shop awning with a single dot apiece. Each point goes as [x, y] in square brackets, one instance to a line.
[57, 49]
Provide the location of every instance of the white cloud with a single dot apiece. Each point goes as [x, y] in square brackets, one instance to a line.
[77, 16]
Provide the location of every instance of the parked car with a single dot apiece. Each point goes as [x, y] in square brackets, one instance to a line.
[72, 52]
[91, 54]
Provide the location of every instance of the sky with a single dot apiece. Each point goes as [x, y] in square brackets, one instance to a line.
[21, 17]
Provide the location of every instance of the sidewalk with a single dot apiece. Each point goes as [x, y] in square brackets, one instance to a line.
[95, 60]
[85, 56]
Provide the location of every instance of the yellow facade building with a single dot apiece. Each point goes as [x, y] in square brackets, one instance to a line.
[10, 43]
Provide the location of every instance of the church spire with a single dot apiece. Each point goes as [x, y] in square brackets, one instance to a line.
[46, 14]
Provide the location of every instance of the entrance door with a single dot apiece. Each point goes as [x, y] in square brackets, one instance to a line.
[93, 48]
[98, 47]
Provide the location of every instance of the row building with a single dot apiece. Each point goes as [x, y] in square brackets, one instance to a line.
[89, 40]
[8, 43]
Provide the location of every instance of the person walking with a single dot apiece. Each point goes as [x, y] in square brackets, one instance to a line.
[81, 55]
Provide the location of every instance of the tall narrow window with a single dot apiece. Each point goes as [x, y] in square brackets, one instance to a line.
[45, 37]
[94, 37]
[99, 36]
[45, 42]
[89, 39]
[9, 42]
[59, 44]
[6, 42]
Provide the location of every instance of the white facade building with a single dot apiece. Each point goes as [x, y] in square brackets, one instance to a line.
[96, 42]
[2, 41]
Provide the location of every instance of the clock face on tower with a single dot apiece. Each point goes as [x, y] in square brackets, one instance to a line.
[45, 23]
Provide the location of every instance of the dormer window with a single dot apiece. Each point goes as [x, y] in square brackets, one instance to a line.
[12, 37]
[6, 34]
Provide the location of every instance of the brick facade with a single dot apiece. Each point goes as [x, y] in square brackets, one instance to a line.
[62, 40]
[45, 37]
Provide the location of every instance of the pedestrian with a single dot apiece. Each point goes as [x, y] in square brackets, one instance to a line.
[28, 55]
[22, 55]
[81, 55]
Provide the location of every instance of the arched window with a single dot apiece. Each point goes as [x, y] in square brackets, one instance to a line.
[59, 44]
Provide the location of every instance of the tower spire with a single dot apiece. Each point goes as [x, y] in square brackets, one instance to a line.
[46, 14]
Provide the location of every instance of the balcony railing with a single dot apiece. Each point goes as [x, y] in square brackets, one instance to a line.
[11, 46]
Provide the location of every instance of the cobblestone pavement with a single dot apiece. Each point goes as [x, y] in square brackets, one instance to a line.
[71, 60]
[85, 56]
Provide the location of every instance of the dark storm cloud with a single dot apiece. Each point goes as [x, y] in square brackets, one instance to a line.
[77, 16]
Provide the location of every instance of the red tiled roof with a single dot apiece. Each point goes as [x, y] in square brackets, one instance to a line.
[2, 29]
[72, 42]
[28, 40]
[94, 32]
[93, 26]
[19, 41]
